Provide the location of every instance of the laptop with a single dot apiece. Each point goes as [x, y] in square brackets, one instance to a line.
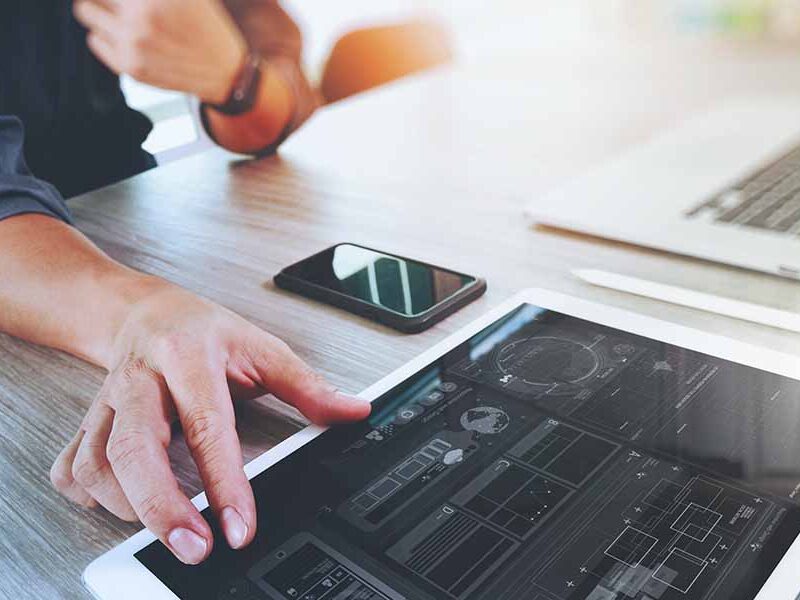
[724, 186]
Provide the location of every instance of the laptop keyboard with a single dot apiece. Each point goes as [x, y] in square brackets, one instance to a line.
[767, 200]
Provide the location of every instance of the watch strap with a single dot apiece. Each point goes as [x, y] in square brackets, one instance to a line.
[245, 87]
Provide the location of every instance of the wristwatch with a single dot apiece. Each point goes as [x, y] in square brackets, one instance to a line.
[245, 87]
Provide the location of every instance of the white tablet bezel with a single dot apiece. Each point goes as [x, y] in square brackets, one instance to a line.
[118, 575]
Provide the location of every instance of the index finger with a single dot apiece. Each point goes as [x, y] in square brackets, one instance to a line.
[138, 456]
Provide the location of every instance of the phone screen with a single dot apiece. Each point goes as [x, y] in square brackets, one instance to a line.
[398, 284]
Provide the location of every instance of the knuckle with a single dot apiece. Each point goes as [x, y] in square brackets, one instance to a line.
[269, 348]
[247, 349]
[162, 432]
[258, 346]
[88, 471]
[278, 345]
[134, 367]
[152, 506]
[202, 429]
[314, 384]
[315, 378]
[280, 361]
[123, 448]
[59, 477]
[216, 482]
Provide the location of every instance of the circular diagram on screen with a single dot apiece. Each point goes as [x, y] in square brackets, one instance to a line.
[484, 419]
[548, 360]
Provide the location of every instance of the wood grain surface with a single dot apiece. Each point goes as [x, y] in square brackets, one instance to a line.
[436, 168]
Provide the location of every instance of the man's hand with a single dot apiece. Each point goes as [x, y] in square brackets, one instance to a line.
[190, 46]
[177, 355]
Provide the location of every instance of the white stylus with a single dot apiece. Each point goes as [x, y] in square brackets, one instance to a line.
[746, 311]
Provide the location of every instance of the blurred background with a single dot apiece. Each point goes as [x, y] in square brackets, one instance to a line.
[511, 28]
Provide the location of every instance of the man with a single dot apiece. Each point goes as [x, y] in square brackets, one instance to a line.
[169, 354]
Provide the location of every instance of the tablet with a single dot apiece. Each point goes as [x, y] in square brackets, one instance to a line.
[554, 449]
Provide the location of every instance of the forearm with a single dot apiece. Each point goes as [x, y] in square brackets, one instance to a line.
[58, 289]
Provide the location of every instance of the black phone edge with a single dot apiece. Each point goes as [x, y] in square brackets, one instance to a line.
[406, 324]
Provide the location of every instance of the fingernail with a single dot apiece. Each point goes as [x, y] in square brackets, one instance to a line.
[189, 547]
[234, 526]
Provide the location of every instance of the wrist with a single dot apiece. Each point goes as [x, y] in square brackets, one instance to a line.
[230, 63]
[244, 91]
[272, 112]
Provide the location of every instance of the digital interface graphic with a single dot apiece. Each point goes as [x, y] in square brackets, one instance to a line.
[547, 458]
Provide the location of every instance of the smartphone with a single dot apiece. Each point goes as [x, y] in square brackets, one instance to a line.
[408, 295]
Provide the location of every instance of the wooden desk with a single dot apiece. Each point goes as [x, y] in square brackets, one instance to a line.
[419, 169]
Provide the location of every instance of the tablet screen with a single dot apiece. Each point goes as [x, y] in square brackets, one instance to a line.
[545, 458]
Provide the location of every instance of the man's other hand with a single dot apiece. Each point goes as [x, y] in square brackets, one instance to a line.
[177, 355]
[191, 46]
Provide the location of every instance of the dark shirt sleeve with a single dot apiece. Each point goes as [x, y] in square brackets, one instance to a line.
[20, 191]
